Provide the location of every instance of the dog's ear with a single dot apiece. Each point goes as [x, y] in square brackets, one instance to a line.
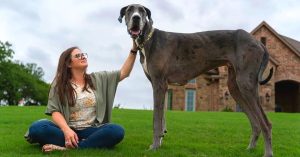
[149, 15]
[122, 13]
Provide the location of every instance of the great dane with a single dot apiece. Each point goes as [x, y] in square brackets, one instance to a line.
[175, 58]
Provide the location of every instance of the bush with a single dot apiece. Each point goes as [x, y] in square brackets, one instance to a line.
[227, 109]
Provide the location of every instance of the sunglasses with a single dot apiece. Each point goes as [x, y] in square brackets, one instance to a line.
[81, 55]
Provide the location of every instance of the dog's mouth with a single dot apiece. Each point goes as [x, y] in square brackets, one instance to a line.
[135, 31]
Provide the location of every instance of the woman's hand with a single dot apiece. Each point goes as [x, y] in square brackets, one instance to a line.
[71, 138]
[134, 46]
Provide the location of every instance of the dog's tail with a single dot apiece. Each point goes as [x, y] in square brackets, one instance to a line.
[263, 67]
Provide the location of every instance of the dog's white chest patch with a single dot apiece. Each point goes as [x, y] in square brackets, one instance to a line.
[145, 62]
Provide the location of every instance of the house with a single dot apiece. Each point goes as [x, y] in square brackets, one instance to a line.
[209, 92]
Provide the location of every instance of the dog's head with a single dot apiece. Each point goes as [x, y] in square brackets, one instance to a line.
[135, 18]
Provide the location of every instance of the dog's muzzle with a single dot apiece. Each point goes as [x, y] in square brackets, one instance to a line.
[135, 29]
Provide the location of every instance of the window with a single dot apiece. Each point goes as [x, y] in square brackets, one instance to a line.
[170, 97]
[238, 108]
[264, 40]
[190, 98]
[192, 81]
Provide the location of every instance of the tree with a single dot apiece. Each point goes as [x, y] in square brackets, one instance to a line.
[10, 82]
[33, 69]
[6, 53]
[20, 81]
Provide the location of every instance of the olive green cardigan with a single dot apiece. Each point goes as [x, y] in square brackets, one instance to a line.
[105, 83]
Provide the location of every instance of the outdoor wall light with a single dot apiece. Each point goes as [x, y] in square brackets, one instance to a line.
[268, 97]
[226, 95]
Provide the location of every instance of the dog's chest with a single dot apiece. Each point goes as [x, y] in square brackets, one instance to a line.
[144, 62]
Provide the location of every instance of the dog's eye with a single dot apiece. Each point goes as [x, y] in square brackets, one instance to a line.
[141, 10]
[129, 9]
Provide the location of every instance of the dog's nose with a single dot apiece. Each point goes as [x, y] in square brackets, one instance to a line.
[136, 18]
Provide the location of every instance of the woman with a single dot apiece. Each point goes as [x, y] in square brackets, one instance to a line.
[80, 105]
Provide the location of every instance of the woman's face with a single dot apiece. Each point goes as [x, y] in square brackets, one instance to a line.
[78, 60]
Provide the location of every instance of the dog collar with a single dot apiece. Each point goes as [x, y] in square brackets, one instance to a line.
[141, 46]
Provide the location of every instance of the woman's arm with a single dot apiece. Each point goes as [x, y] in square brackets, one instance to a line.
[71, 138]
[128, 65]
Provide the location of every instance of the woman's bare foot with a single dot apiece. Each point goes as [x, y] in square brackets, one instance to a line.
[51, 147]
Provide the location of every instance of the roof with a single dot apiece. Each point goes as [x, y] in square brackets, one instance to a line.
[293, 44]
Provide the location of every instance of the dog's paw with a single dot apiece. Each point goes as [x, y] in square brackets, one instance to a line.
[270, 154]
[153, 147]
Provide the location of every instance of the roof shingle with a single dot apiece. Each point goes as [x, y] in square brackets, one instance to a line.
[294, 43]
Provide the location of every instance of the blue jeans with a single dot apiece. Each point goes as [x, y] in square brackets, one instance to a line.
[46, 132]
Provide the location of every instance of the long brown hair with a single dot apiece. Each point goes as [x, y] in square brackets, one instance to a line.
[63, 86]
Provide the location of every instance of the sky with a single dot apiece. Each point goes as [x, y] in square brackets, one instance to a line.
[40, 30]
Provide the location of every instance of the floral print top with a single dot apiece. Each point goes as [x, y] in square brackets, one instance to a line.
[83, 113]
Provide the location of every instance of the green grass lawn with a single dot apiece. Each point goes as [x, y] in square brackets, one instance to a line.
[190, 134]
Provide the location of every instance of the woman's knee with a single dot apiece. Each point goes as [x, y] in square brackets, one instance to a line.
[116, 131]
[38, 127]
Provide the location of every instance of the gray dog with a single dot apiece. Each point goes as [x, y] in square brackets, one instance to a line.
[175, 58]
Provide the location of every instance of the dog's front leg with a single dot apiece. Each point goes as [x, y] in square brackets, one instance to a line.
[159, 90]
